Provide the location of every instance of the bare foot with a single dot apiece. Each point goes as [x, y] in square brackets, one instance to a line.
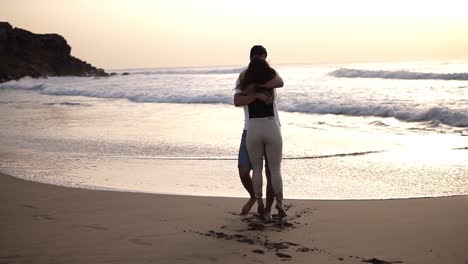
[247, 206]
[281, 212]
[261, 207]
[267, 216]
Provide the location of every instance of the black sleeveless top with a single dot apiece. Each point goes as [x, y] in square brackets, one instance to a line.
[260, 109]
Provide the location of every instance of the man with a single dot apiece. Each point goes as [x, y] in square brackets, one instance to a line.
[244, 165]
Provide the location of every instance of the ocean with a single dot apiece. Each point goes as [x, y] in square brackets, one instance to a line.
[350, 131]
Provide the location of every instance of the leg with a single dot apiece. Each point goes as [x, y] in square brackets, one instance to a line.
[270, 196]
[245, 167]
[244, 174]
[274, 152]
[255, 150]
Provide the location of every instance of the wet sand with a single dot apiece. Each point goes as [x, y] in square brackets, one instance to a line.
[41, 223]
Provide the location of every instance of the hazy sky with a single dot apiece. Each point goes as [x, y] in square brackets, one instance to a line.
[149, 33]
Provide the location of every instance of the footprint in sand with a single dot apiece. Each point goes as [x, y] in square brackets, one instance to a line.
[43, 217]
[9, 258]
[141, 242]
[28, 206]
[282, 255]
[97, 227]
[304, 212]
[381, 261]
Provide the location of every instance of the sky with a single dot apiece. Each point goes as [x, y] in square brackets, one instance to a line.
[123, 34]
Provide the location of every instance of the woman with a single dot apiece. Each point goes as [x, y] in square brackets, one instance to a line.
[264, 134]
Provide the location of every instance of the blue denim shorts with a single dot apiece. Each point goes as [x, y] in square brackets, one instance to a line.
[244, 159]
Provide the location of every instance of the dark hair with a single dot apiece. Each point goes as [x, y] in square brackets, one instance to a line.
[259, 72]
[257, 50]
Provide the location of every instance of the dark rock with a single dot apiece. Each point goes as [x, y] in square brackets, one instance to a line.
[258, 251]
[24, 53]
[125, 73]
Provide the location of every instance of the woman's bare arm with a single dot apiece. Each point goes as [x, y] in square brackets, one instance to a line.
[276, 82]
[242, 99]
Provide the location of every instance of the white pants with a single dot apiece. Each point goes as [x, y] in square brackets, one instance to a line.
[264, 136]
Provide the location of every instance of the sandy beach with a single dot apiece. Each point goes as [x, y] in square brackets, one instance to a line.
[123, 131]
[42, 223]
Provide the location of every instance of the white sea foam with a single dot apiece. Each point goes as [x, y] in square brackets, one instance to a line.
[26, 83]
[307, 90]
[189, 71]
[406, 75]
[140, 97]
[435, 115]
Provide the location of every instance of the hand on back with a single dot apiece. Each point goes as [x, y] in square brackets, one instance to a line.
[267, 98]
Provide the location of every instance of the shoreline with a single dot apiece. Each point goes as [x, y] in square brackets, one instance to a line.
[110, 189]
[42, 223]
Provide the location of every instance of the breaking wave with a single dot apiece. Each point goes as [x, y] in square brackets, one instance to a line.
[405, 75]
[191, 71]
[435, 115]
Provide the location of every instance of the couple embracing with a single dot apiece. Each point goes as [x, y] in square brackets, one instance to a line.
[261, 137]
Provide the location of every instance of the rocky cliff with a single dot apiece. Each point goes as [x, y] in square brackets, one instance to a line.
[23, 53]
